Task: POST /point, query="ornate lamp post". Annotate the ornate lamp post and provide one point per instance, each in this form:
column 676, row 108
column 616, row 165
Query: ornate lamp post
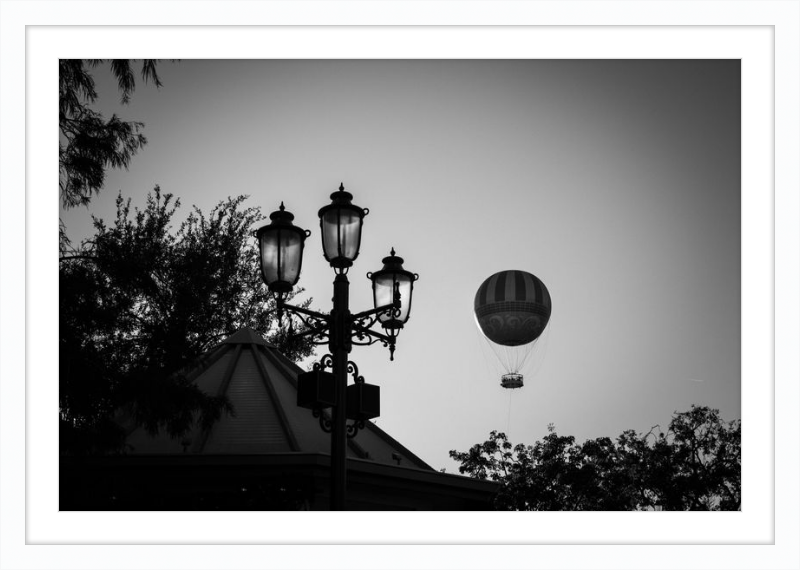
column 281, row 251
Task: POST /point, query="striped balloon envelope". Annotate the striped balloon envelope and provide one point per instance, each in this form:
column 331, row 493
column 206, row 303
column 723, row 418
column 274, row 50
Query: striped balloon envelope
column 512, row 307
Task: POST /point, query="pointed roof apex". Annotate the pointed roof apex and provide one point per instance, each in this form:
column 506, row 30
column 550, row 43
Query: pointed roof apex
column 246, row 335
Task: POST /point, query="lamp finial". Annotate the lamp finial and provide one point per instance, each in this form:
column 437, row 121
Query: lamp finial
column 341, row 187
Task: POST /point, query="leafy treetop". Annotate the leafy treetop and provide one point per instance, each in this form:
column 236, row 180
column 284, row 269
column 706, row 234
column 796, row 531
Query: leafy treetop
column 141, row 301
column 694, row 465
column 89, row 143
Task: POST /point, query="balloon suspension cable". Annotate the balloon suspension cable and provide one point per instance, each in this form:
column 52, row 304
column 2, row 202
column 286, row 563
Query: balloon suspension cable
column 508, row 419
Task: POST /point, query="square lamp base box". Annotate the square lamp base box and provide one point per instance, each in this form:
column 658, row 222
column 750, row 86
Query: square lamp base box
column 316, row 389
column 363, row 401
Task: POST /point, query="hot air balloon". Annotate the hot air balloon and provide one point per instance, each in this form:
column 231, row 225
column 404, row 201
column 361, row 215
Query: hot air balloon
column 512, row 309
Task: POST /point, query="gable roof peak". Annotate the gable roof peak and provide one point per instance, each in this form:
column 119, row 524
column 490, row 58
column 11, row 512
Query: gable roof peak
column 247, row 335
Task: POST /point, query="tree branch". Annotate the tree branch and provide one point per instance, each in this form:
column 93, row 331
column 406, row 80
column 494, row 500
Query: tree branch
column 80, row 256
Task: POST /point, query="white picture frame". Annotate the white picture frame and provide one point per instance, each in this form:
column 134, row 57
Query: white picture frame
column 763, row 34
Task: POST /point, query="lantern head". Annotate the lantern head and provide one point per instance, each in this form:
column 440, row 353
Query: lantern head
column 340, row 222
column 384, row 284
column 281, row 251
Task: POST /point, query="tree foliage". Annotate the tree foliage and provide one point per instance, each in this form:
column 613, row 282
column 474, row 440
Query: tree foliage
column 140, row 301
column 89, row 143
column 694, row 465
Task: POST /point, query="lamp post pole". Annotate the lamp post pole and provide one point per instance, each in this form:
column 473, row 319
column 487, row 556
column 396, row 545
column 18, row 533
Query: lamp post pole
column 340, row 347
column 281, row 253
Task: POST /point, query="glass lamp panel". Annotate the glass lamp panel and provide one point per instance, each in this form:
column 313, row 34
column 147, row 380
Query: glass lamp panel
column 269, row 256
column 405, row 296
column 383, row 288
column 291, row 252
column 281, row 255
column 341, row 233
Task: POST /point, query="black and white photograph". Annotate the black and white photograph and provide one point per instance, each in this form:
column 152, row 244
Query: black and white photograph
column 400, row 285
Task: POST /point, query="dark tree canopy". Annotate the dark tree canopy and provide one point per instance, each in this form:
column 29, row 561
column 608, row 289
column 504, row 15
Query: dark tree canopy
column 142, row 300
column 694, row 465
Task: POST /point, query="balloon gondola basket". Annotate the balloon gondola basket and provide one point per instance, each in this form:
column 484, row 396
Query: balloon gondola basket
column 511, row 381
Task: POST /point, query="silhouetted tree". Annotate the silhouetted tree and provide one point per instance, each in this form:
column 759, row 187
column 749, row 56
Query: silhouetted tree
column 90, row 144
column 695, row 465
column 140, row 301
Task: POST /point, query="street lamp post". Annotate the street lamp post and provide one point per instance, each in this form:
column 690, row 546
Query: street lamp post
column 281, row 252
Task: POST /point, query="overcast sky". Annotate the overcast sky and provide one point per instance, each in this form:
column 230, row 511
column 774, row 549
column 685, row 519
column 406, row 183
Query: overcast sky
column 617, row 183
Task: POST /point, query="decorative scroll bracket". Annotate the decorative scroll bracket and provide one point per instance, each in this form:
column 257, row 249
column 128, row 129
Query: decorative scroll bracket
column 318, row 325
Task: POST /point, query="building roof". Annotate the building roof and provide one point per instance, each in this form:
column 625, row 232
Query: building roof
column 261, row 385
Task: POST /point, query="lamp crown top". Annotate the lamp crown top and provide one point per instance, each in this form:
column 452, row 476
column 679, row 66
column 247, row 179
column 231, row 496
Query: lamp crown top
column 393, row 261
column 281, row 215
column 343, row 200
column 342, row 197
